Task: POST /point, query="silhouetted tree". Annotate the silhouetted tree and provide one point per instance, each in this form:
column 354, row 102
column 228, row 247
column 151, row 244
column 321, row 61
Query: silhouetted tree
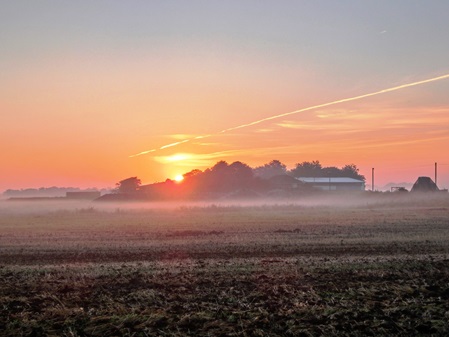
column 219, row 167
column 222, row 177
column 273, row 168
column 331, row 171
column 307, row 169
column 192, row 173
column 352, row 171
column 129, row 185
column 239, row 174
column 314, row 169
column 191, row 183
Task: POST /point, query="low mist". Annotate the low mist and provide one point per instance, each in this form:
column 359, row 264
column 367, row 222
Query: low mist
column 320, row 199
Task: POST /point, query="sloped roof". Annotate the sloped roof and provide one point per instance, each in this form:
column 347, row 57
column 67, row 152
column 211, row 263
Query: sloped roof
column 283, row 178
column 424, row 184
column 327, row 180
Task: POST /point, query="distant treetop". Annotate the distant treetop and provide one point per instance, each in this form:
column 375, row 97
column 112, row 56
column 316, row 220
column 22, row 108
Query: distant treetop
column 314, row 169
column 129, row 185
column 273, row 168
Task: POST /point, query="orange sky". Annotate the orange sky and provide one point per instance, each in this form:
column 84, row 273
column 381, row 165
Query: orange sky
column 81, row 93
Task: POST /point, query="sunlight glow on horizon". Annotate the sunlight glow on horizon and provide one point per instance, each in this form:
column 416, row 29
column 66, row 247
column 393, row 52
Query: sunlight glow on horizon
column 93, row 92
column 179, row 178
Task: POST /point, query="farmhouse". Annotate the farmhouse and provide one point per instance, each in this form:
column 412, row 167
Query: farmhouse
column 334, row 183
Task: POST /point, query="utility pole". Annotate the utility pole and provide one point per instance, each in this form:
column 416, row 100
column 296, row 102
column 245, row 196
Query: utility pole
column 436, row 173
column 372, row 180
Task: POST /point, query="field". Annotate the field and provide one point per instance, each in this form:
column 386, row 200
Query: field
column 360, row 266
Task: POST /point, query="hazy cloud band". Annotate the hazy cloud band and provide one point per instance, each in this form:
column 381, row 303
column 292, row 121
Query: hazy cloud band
column 350, row 99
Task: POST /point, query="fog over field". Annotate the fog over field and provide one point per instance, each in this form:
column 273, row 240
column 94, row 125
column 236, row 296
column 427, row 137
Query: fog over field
column 346, row 264
column 43, row 231
column 318, row 199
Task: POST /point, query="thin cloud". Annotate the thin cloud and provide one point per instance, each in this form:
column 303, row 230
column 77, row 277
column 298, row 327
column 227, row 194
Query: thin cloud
column 293, row 125
column 390, row 143
column 264, row 130
column 182, row 136
column 209, row 144
column 345, row 100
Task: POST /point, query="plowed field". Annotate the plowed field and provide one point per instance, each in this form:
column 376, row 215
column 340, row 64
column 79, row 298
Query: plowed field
column 377, row 268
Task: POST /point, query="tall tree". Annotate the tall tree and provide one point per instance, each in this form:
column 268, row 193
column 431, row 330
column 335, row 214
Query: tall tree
column 352, row 171
column 307, row 169
column 239, row 174
column 273, row 168
column 314, row 169
column 129, row 185
column 331, row 171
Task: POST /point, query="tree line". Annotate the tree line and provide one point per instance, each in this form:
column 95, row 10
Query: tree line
column 226, row 178
column 308, row 169
column 49, row 192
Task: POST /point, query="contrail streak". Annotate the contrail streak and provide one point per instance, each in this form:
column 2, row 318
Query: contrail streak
column 336, row 102
column 162, row 147
column 142, row 153
column 174, row 144
column 350, row 99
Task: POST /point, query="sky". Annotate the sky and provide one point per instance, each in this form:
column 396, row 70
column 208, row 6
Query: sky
column 88, row 89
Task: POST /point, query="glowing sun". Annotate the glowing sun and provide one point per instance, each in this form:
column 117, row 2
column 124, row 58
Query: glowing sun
column 179, row 178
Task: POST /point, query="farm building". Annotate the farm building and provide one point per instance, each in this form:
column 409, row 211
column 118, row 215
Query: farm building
column 284, row 181
column 334, row 183
column 424, row 184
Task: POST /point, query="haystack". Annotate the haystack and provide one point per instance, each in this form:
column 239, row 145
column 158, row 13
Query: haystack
column 424, row 184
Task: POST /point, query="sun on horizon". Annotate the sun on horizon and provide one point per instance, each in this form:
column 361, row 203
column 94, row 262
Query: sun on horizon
column 179, row 178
